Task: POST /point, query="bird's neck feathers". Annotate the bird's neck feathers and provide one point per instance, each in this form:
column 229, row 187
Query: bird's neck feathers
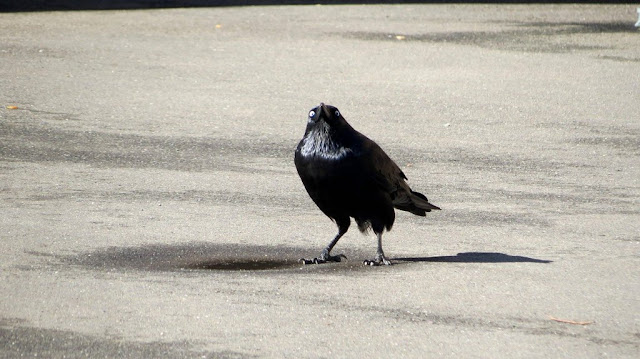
column 321, row 140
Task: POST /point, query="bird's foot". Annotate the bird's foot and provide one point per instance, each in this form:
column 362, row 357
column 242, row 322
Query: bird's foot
column 325, row 257
column 379, row 260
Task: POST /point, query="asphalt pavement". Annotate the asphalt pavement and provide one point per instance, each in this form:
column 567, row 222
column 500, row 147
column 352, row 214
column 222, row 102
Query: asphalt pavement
column 149, row 205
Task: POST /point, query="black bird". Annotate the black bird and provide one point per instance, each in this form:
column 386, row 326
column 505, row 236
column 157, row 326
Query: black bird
column 348, row 175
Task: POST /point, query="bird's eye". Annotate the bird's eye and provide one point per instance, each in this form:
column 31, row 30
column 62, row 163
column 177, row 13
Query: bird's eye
column 337, row 113
column 312, row 113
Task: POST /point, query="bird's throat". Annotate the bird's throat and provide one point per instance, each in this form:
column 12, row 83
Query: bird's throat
column 318, row 142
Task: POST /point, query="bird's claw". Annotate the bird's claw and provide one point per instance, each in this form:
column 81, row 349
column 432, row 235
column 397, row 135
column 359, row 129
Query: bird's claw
column 373, row 263
column 323, row 259
column 378, row 261
column 311, row 261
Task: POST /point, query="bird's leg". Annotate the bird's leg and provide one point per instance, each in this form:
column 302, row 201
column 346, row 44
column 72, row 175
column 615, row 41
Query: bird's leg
column 326, row 256
column 380, row 258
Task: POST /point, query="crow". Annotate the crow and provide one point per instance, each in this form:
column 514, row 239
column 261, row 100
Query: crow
column 348, row 175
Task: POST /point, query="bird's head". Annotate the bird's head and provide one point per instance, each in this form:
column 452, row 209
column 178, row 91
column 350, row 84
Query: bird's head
column 326, row 113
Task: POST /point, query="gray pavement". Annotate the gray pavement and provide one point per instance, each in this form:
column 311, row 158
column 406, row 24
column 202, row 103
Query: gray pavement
column 150, row 206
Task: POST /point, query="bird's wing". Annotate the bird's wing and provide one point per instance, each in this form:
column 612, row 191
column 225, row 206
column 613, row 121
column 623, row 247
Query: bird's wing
column 382, row 170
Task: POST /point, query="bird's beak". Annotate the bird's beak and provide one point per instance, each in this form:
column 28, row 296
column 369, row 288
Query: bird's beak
column 324, row 110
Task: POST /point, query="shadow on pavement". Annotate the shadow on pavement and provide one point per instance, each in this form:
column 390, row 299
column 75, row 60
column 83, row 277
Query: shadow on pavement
column 476, row 257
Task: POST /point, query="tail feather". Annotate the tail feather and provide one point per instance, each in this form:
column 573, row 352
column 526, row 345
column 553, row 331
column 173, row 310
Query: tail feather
column 414, row 202
column 422, row 202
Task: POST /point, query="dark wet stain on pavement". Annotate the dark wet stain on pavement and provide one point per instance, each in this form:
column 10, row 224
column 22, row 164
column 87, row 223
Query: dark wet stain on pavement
column 189, row 257
column 21, row 340
column 527, row 37
column 38, row 142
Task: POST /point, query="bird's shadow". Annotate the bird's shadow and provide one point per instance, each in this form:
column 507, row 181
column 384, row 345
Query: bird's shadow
column 475, row 257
